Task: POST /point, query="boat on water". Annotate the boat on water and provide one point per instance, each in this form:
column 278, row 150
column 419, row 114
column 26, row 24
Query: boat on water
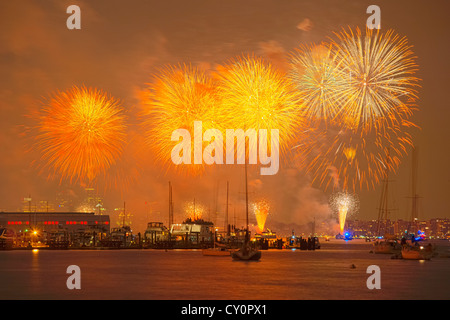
column 387, row 246
column 246, row 252
column 6, row 238
column 417, row 252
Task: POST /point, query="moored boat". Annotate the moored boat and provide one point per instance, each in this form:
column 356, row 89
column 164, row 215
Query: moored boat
column 246, row 253
column 417, row 252
column 386, row 247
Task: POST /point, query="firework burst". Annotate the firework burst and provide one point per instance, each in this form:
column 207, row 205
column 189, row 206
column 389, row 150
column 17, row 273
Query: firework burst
column 80, row 134
column 179, row 96
column 194, row 211
column 339, row 158
column 380, row 69
column 359, row 96
column 257, row 96
column 318, row 77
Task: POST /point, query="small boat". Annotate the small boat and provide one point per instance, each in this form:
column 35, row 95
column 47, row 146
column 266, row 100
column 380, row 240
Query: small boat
column 6, row 239
column 417, row 253
column 246, row 253
column 386, row 247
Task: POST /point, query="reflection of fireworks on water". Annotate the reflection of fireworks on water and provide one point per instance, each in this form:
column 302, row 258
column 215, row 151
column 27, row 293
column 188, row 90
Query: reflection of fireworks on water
column 344, row 204
column 261, row 210
column 81, row 133
column 194, row 211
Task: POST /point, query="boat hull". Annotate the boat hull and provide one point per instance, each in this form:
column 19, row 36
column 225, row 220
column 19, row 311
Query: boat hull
column 249, row 255
column 386, row 248
column 416, row 254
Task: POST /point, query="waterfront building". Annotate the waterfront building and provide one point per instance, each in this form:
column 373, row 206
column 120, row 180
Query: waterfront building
column 40, row 227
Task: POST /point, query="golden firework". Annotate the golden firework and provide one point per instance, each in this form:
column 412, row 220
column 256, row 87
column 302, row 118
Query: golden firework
column 261, row 210
column 80, row 133
column 179, row 96
column 257, row 96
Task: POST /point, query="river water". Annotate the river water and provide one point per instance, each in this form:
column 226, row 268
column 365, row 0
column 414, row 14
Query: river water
column 336, row 271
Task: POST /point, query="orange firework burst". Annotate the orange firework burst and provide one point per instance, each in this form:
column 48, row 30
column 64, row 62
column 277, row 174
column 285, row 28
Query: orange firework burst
column 81, row 133
column 194, row 211
column 257, row 96
column 177, row 98
column 261, row 210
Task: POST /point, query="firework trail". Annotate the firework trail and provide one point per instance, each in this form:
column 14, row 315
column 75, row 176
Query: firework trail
column 261, row 210
column 80, row 134
column 344, row 204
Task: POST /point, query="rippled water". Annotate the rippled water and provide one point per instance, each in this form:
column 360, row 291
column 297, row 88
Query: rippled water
column 187, row 274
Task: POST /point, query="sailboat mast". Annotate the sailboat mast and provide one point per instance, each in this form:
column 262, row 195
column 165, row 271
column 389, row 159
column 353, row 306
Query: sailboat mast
column 123, row 218
column 246, row 202
column 170, row 208
column 383, row 207
column 226, row 213
column 414, row 195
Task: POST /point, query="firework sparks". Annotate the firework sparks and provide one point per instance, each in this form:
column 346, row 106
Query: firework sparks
column 178, row 97
column 337, row 157
column 194, row 211
column 359, row 94
column 257, row 96
column 318, row 77
column 380, row 70
column 261, row 210
column 344, row 204
column 81, row 133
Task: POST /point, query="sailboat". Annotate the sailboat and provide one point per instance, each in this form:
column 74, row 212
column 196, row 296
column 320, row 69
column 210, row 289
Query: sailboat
column 389, row 245
column 416, row 251
column 219, row 249
column 246, row 252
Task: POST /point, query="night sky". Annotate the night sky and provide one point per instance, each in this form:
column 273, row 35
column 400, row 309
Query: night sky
column 120, row 45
